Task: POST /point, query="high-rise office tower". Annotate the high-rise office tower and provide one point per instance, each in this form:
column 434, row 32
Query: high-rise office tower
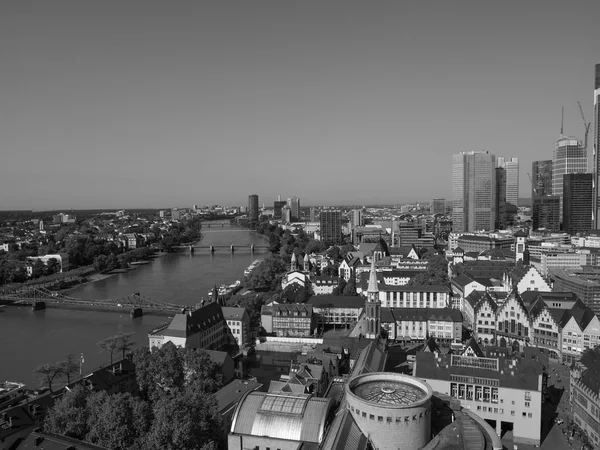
column 277, row 209
column 313, row 214
column 596, row 149
column 253, row 208
column 501, row 219
column 438, row 206
column 294, row 205
column 357, row 221
column 511, row 165
column 577, row 207
column 474, row 191
column 541, row 178
column 286, row 214
column 569, row 157
column 331, row 226
column 546, row 212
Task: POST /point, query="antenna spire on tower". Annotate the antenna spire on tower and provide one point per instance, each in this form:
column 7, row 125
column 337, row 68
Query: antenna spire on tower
column 562, row 119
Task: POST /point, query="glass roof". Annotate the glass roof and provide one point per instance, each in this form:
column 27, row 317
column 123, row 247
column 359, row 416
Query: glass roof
column 389, row 392
column 283, row 404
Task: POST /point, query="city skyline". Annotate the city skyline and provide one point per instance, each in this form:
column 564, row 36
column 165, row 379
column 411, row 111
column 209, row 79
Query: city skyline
column 143, row 105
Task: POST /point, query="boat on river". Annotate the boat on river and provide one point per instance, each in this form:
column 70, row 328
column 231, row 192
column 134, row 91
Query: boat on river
column 252, row 266
column 226, row 291
column 11, row 391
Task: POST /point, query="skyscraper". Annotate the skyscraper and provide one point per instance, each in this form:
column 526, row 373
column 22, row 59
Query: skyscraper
column 569, row 157
column 474, row 191
column 438, row 206
column 357, row 221
column 546, row 212
column 501, row 218
column 511, row 165
column 294, row 205
column 277, row 208
column 331, row 226
column 596, row 149
column 541, row 178
column 253, row 208
column 577, row 207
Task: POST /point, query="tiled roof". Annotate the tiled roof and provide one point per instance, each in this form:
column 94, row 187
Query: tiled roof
column 184, row 325
column 234, row 391
column 371, row 359
column 473, row 345
column 344, row 434
column 233, row 313
column 484, row 298
column 293, row 307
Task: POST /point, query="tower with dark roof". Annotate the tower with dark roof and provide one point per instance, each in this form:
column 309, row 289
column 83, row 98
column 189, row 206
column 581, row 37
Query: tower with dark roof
column 372, row 305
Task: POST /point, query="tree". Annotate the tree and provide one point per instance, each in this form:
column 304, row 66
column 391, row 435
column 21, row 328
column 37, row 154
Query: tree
column 182, row 421
column 110, row 345
column 339, row 289
column 52, row 266
column 346, row 249
column 436, row 273
column 47, row 373
column 350, row 288
column 69, row 366
column 124, row 342
column 202, row 373
column 268, row 273
column 118, row 421
column 69, row 415
column 334, row 253
column 160, row 371
column 330, row 270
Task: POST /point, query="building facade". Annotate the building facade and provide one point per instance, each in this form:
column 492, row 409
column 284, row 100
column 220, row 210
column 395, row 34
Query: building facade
column 331, row 226
column 253, row 208
column 577, row 203
column 596, row 149
column 490, row 388
column 546, row 213
column 474, row 191
column 541, row 178
column 294, row 205
column 569, row 157
column 293, row 319
column 511, row 165
column 585, row 395
column 438, row 206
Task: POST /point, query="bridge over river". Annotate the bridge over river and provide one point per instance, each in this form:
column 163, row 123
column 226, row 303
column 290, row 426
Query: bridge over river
column 40, row 298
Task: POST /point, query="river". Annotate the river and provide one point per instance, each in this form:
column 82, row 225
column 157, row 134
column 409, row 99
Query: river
column 29, row 338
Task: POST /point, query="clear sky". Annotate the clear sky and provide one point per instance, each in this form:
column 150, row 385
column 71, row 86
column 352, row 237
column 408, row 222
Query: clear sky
column 135, row 104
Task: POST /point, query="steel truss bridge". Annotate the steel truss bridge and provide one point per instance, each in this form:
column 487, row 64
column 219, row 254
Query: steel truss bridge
column 134, row 301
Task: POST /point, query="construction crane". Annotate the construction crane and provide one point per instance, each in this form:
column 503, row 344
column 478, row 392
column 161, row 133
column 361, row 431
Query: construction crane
column 532, row 186
column 586, row 125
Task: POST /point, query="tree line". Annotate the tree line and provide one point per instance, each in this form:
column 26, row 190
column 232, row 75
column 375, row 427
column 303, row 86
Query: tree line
column 172, row 408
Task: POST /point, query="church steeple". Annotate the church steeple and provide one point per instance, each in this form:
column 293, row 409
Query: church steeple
column 372, row 305
column 294, row 263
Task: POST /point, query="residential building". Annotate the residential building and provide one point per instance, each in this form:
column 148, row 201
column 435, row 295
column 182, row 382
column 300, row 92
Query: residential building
column 324, row 284
column 61, row 258
column 238, row 322
column 474, row 186
column 293, row 319
column 490, row 388
column 253, row 208
column 438, row 206
column 525, row 278
column 331, row 226
column 512, row 323
column 596, row 150
column 484, row 321
column 585, row 394
column 511, row 165
column 577, row 203
column 480, row 242
column 569, row 157
column 541, row 178
column 202, row 328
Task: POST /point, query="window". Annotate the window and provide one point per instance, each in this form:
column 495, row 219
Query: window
column 527, row 396
column 524, row 414
column 527, row 404
column 501, row 411
column 512, row 413
column 371, row 416
column 529, row 415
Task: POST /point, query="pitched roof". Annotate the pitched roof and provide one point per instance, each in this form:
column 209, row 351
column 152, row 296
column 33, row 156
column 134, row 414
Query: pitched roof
column 184, row 325
column 591, row 375
column 373, row 279
column 233, row 392
column 484, row 298
column 233, row 313
column 287, row 308
column 336, row 301
column 344, row 434
column 474, row 346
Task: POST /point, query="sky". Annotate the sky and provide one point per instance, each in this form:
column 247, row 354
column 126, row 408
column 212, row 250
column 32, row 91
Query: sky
column 141, row 104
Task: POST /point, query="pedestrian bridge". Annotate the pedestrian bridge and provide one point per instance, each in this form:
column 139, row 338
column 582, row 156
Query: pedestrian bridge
column 37, row 298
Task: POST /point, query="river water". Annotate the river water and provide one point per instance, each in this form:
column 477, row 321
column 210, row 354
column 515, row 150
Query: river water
column 29, row 338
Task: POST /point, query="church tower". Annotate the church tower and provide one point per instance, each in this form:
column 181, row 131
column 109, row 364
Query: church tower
column 293, row 263
column 372, row 306
column 521, row 246
column 306, row 263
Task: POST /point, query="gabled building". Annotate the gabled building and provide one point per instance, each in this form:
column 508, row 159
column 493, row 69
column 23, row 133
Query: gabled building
column 238, row 323
column 512, row 323
column 293, row 319
column 484, row 328
column 525, row 278
column 347, row 268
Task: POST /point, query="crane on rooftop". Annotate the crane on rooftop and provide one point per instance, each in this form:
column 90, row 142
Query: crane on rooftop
column 586, row 125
